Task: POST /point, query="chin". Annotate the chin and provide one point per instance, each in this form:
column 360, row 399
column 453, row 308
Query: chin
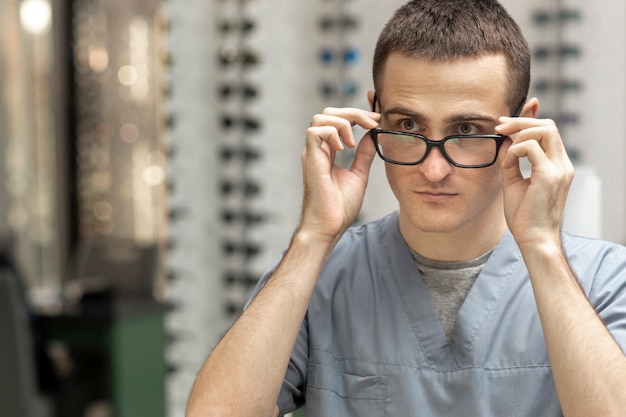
column 439, row 229
column 433, row 224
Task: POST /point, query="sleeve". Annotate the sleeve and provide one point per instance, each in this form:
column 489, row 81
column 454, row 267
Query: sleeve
column 292, row 394
column 607, row 292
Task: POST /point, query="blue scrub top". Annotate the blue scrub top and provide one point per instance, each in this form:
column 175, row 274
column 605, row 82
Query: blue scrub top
column 372, row 344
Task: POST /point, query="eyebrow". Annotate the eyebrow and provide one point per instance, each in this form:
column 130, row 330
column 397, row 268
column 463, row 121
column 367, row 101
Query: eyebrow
column 403, row 111
column 421, row 118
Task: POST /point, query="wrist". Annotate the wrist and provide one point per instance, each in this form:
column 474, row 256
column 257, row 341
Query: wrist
column 542, row 249
column 320, row 232
column 302, row 264
column 547, row 264
column 539, row 253
column 312, row 239
column 540, row 245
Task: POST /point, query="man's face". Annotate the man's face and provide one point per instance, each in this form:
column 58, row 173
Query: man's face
column 438, row 99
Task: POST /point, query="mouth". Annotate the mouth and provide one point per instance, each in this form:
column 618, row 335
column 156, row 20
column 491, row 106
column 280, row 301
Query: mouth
column 432, row 195
column 435, row 192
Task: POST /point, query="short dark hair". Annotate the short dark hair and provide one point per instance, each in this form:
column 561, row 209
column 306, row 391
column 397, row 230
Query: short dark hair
column 445, row 30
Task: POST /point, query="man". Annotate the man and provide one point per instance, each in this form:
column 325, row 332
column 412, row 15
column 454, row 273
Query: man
column 469, row 301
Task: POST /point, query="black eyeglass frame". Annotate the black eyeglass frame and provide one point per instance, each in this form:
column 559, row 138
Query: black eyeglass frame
column 439, row 144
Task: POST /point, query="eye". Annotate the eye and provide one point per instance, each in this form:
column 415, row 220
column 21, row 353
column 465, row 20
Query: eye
column 408, row 125
column 468, row 129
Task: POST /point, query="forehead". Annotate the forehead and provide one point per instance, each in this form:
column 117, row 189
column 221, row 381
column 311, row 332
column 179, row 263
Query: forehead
column 479, row 82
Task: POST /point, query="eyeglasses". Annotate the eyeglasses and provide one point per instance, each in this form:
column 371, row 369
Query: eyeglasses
column 463, row 151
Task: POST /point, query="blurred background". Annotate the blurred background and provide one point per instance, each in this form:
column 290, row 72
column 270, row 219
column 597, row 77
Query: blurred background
column 150, row 171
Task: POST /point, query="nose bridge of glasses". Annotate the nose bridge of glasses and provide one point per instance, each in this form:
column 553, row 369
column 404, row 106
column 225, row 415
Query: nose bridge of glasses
column 435, row 163
column 438, row 147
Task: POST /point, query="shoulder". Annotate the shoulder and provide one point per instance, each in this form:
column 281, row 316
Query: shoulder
column 368, row 236
column 363, row 253
column 587, row 250
column 599, row 265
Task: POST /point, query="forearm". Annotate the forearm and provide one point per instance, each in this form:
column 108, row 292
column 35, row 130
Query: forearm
column 244, row 373
column 588, row 366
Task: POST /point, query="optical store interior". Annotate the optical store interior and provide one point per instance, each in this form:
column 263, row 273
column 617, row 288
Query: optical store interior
column 150, row 171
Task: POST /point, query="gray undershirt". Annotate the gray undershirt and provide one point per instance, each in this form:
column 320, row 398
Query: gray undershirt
column 448, row 284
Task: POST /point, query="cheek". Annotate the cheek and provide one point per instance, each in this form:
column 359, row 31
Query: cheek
column 395, row 178
column 490, row 181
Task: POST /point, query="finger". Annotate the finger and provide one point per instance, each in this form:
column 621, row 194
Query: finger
column 339, row 124
column 343, row 120
column 319, row 152
column 363, row 157
column 354, row 115
column 511, row 125
column 527, row 149
column 511, row 171
column 547, row 136
column 317, row 136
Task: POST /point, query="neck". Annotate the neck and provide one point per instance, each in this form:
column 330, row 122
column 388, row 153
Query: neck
column 465, row 243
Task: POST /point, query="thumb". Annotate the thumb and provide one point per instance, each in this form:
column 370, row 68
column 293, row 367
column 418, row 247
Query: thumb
column 510, row 167
column 363, row 157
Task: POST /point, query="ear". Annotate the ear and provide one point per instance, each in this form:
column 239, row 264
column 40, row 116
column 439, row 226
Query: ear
column 530, row 108
column 370, row 97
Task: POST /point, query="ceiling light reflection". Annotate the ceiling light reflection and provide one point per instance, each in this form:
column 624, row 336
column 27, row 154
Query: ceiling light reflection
column 98, row 58
column 129, row 132
column 36, row 16
column 154, row 175
column 127, row 75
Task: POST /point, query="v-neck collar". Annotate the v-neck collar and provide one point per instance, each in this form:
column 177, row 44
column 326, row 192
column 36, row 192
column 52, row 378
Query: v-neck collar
column 474, row 312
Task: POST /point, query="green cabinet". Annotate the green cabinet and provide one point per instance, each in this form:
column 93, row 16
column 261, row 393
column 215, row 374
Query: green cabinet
column 138, row 367
column 119, row 358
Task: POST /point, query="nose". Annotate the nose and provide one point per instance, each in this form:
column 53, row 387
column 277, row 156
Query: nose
column 435, row 167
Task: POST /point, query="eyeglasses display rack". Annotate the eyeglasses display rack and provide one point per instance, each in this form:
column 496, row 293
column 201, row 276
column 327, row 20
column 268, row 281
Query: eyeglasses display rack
column 238, row 137
column 555, row 59
column 195, row 318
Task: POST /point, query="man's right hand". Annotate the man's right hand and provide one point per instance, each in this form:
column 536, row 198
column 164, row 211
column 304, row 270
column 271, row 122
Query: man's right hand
column 333, row 195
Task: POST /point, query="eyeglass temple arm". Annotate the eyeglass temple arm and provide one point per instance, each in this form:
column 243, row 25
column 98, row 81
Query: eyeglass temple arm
column 519, row 109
